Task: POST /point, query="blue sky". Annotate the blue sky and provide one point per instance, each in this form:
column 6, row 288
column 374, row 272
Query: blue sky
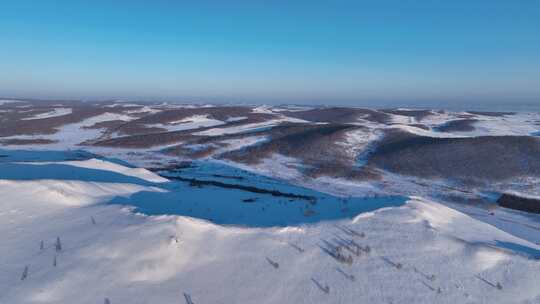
column 343, row 52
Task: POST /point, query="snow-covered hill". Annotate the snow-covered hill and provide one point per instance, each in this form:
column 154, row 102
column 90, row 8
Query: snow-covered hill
column 62, row 242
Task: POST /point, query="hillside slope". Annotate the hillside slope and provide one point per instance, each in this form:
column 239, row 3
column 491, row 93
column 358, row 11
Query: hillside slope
column 422, row 252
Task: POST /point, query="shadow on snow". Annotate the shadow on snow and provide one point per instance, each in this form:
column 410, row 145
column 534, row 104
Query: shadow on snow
column 211, row 191
column 230, row 196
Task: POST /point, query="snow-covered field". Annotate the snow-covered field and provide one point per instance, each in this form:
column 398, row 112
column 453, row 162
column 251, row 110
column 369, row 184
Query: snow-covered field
column 88, row 224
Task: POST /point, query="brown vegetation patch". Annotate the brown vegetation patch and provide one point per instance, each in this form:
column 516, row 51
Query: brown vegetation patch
column 145, row 140
column 136, row 129
column 420, row 126
column 188, row 151
column 110, row 124
column 315, row 145
column 494, row 114
column 164, row 138
column 13, row 123
column 20, row 141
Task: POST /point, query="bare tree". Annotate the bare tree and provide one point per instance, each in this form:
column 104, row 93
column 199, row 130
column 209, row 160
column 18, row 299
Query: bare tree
column 274, row 264
column 394, row 264
column 437, row 290
column 25, row 273
column 498, row 285
column 430, row 277
column 298, row 248
column 58, row 244
column 188, row 298
column 325, row 288
column 350, row 277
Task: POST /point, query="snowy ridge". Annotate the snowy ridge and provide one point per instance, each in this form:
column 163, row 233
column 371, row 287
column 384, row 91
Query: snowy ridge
column 112, row 167
column 193, row 122
column 54, row 113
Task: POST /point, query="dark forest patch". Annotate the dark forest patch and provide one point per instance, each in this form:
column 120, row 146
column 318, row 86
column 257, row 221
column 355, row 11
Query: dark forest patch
column 512, row 201
column 485, row 158
column 458, row 125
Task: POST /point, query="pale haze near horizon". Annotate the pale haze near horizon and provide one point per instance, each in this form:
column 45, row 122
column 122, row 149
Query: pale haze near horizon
column 472, row 54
